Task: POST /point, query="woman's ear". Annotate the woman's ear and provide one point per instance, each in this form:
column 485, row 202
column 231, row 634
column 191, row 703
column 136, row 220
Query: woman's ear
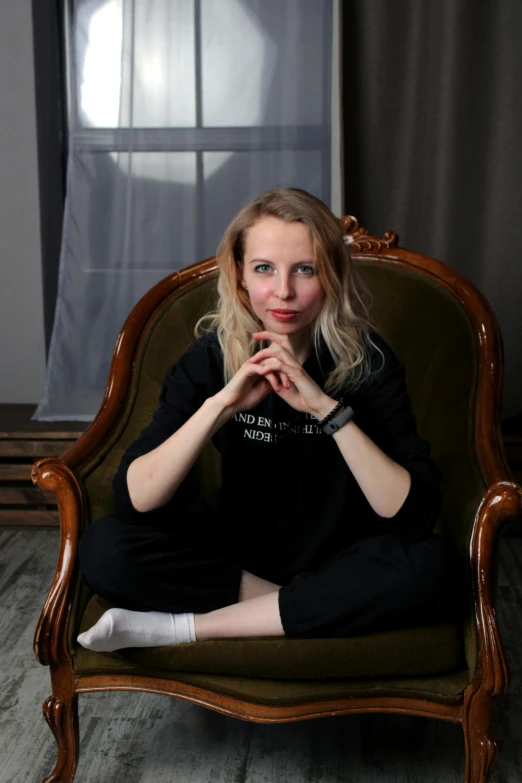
column 240, row 277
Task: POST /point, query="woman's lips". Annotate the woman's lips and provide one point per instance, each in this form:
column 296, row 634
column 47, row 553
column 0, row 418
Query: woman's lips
column 284, row 315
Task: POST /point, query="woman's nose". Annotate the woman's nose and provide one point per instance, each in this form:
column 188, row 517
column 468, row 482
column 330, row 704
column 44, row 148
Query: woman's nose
column 284, row 287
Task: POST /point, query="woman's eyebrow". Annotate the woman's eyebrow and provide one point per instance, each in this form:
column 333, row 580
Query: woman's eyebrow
column 267, row 261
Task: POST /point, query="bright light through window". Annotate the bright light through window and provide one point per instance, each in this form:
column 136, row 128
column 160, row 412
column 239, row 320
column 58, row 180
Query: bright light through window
column 100, row 86
column 237, row 65
column 151, row 81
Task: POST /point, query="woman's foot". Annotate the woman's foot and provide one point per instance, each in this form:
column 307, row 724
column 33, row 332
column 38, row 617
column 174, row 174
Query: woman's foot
column 120, row 628
column 256, row 614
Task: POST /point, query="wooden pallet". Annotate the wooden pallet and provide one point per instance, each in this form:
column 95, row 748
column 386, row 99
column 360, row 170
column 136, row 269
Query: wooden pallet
column 22, row 442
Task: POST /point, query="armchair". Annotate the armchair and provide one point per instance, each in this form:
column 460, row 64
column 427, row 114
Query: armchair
column 446, row 335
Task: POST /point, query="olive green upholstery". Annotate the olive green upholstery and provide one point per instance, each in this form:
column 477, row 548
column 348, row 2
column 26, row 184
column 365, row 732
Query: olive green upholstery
column 405, row 651
column 432, row 335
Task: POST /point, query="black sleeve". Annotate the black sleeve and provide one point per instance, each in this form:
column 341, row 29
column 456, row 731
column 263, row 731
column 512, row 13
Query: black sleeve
column 187, row 384
column 385, row 415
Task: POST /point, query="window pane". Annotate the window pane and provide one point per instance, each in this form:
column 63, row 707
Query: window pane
column 135, row 70
column 231, row 179
column 263, row 61
column 164, row 76
column 137, row 204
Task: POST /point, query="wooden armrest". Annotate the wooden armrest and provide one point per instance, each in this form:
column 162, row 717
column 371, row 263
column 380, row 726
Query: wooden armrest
column 50, row 640
column 502, row 503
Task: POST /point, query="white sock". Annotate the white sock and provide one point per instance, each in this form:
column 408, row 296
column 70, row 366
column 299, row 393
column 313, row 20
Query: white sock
column 120, row 628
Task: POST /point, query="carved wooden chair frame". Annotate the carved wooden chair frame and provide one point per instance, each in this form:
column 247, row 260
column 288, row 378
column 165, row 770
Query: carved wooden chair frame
column 501, row 503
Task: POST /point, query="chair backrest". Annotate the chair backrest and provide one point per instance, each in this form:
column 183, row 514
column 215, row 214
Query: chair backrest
column 426, row 324
column 433, row 336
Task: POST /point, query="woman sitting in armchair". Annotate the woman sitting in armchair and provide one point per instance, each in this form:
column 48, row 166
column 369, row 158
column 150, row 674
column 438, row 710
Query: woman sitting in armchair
column 325, row 517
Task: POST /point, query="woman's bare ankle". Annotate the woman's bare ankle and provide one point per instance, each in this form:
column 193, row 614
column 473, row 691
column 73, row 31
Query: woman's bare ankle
column 254, row 617
column 253, row 586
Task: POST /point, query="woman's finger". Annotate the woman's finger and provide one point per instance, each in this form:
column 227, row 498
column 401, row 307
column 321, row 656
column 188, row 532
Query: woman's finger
column 268, row 373
column 273, row 380
column 277, row 339
column 275, row 365
column 285, row 380
column 271, row 365
column 283, row 374
column 274, row 351
column 280, row 378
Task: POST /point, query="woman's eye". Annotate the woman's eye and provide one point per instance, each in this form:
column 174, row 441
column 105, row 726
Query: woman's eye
column 264, row 268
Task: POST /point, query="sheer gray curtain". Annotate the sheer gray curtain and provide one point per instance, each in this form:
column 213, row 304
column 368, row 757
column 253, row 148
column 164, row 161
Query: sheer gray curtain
column 180, row 111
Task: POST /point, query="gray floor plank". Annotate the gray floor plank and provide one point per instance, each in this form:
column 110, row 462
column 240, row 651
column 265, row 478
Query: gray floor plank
column 143, row 738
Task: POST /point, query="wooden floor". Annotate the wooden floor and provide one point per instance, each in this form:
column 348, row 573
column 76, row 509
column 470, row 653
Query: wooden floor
column 155, row 739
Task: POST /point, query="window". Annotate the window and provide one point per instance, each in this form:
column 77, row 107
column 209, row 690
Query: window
column 179, row 111
column 211, row 101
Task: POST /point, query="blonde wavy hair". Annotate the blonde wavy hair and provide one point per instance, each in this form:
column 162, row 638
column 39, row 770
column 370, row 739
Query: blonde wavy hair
column 343, row 323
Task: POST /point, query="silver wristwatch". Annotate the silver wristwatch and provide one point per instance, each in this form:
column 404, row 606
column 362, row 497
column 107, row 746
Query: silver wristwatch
column 337, row 422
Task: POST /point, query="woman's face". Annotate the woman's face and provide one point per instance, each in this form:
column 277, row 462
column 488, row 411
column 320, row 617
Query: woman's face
column 280, row 274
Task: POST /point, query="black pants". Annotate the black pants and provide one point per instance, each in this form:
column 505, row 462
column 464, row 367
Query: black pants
column 374, row 584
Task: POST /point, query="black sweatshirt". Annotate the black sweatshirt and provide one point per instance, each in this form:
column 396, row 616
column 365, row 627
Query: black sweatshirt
column 285, row 484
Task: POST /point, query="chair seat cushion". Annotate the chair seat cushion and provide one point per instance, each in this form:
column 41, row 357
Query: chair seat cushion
column 423, row 650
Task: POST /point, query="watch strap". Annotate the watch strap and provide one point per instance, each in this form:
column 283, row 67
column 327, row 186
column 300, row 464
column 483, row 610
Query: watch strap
column 337, row 422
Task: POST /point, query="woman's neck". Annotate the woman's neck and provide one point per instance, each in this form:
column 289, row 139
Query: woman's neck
column 302, row 346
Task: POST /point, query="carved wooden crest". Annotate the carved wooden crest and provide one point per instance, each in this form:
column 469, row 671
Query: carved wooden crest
column 361, row 241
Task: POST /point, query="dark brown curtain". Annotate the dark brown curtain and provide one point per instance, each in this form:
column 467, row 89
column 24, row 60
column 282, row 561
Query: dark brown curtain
column 432, row 113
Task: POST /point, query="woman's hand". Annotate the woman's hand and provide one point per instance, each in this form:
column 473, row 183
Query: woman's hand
column 296, row 387
column 249, row 386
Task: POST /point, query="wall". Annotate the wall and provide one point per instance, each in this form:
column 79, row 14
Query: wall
column 22, row 347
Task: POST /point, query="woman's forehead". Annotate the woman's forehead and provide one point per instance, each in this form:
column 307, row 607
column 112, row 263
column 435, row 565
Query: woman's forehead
column 272, row 236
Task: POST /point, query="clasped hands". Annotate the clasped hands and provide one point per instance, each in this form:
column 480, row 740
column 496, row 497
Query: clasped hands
column 287, row 377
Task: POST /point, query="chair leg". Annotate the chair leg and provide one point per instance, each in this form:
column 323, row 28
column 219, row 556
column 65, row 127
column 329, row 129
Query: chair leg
column 481, row 748
column 61, row 713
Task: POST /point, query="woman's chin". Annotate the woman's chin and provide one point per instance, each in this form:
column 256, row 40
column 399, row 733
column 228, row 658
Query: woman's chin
column 282, row 327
